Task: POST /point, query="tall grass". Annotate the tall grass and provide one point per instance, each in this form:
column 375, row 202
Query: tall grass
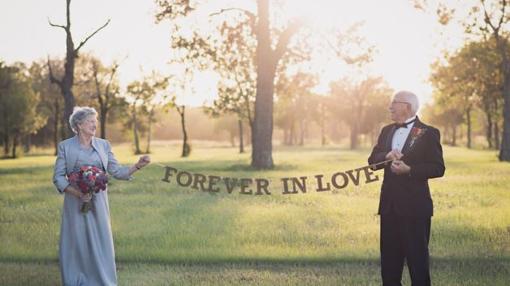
column 165, row 234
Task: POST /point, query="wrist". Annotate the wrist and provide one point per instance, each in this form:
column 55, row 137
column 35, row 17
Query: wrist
column 136, row 166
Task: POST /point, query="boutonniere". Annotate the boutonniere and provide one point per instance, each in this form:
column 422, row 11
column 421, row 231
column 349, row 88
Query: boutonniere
column 416, row 133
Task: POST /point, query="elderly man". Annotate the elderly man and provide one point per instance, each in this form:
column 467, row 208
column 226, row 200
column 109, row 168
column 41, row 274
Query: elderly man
column 410, row 153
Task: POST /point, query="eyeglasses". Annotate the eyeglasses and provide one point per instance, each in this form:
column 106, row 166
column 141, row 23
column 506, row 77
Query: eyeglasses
column 394, row 102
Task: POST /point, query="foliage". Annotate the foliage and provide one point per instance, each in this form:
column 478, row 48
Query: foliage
column 18, row 107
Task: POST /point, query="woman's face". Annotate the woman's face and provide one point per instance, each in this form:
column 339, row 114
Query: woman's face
column 88, row 126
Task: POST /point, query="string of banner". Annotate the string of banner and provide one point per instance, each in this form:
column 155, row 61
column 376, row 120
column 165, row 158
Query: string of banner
column 262, row 186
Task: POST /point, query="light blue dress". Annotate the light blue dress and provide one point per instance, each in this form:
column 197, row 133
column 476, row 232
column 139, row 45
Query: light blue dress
column 86, row 252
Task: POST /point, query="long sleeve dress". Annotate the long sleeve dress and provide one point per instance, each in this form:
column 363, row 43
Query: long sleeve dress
column 86, row 251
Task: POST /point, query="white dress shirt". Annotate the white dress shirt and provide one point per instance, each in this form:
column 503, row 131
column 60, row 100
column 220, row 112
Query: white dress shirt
column 400, row 136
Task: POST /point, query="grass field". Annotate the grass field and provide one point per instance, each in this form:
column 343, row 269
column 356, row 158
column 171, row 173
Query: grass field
column 169, row 235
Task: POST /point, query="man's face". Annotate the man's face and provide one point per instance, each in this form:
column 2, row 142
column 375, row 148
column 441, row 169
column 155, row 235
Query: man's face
column 399, row 109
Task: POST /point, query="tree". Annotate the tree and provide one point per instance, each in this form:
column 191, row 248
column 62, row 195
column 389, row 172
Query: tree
column 233, row 57
column 470, row 76
column 183, row 87
column 107, row 90
column 356, row 103
column 445, row 114
column 488, row 19
column 267, row 59
column 228, row 123
column 294, row 105
column 457, row 80
column 320, row 115
column 50, row 105
column 18, row 104
column 143, row 96
column 67, row 81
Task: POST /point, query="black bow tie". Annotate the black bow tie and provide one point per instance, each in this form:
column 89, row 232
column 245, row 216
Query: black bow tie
column 404, row 125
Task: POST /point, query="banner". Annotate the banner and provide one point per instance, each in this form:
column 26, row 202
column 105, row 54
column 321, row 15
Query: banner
column 261, row 186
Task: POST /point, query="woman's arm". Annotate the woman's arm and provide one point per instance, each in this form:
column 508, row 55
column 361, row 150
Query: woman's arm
column 120, row 172
column 59, row 172
column 142, row 162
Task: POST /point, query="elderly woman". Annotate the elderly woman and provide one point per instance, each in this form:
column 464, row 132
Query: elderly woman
column 86, row 251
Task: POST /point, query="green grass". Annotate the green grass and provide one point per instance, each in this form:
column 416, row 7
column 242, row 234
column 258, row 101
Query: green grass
column 169, row 235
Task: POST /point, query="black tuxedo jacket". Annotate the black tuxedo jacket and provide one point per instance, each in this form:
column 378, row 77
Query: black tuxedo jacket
column 409, row 194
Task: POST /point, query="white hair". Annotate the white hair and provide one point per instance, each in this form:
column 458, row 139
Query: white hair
column 408, row 97
column 80, row 113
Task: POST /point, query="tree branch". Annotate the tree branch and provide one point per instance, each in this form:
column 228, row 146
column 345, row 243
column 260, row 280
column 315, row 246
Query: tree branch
column 53, row 79
column 285, row 37
column 110, row 80
column 90, row 36
column 251, row 16
column 246, row 12
column 488, row 19
column 55, row 25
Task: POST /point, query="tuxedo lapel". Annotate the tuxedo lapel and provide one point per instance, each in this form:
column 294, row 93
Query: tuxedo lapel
column 406, row 147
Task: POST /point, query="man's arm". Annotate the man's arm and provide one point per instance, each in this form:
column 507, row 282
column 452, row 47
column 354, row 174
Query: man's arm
column 378, row 153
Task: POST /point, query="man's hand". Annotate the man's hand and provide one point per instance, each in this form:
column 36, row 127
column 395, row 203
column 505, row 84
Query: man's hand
column 400, row 168
column 394, row 155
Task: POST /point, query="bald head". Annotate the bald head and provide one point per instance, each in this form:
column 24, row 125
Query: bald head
column 408, row 97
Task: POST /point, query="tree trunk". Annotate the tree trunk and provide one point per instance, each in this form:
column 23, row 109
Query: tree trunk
column 302, row 132
column 27, row 143
column 323, row 128
column 496, row 126
column 262, row 145
column 292, row 140
column 468, row 119
column 6, row 143
column 496, row 135
column 186, row 150
column 263, row 122
column 135, row 132
column 69, row 101
column 354, row 136
column 266, row 61
column 148, row 149
column 55, row 126
column 103, row 113
column 66, row 83
column 232, row 138
column 15, row 144
column 504, row 153
column 489, row 130
column 241, row 136
column 454, row 135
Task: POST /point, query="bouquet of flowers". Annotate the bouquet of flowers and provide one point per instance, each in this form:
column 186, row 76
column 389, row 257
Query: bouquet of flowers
column 89, row 180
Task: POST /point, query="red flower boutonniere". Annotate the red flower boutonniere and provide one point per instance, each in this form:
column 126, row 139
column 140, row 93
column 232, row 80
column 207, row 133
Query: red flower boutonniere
column 416, row 133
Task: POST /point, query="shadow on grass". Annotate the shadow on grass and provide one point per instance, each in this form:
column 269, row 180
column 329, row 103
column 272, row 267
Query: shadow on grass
column 499, row 264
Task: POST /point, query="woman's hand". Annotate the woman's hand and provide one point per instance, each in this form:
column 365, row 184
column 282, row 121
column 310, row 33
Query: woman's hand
column 85, row 197
column 143, row 161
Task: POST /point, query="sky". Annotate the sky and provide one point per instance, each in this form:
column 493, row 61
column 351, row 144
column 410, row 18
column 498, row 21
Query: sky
column 407, row 40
